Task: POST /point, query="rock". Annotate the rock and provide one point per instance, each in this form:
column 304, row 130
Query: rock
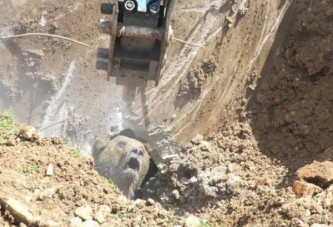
column 205, row 146
column 150, row 202
column 209, row 191
column 48, row 193
column 90, row 223
column 197, row 139
column 49, row 170
column 217, row 175
column 193, row 179
column 327, row 203
column 75, row 222
column 320, row 225
column 84, row 212
column 28, row 133
column 108, row 224
column 140, row 203
column 320, row 173
column 233, row 182
column 18, row 211
column 36, row 53
column 101, row 213
column 10, row 143
column 175, row 194
column 192, row 221
column 302, row 188
column 307, row 213
column 297, row 222
column 52, row 223
column 230, row 168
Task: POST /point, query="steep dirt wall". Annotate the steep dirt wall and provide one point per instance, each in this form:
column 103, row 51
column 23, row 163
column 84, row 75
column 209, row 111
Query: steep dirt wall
column 199, row 83
column 53, row 84
column 293, row 101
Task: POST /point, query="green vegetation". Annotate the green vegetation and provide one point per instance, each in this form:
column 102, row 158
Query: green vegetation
column 121, row 214
column 77, row 153
column 7, row 126
column 204, row 223
column 110, row 181
column 29, row 170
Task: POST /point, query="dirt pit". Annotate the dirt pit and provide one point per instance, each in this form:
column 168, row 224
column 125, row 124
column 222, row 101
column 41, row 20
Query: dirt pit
column 230, row 123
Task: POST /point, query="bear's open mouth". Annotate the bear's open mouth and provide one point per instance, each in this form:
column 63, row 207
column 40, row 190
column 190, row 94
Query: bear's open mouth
column 133, row 164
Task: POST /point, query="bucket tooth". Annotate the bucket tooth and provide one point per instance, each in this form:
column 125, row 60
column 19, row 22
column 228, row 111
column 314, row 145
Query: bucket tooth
column 103, row 53
column 139, row 35
column 105, row 26
column 107, row 8
column 102, row 63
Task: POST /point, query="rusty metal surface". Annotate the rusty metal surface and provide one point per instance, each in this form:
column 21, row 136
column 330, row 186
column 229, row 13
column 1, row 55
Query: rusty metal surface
column 138, row 44
column 139, row 32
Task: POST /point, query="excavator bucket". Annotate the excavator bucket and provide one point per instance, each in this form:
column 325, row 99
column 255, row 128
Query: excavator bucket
column 139, row 34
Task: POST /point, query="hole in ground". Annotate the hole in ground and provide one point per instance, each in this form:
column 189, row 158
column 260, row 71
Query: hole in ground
column 152, row 169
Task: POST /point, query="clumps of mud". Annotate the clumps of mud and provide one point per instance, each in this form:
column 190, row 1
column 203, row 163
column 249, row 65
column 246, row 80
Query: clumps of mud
column 293, row 104
column 192, row 85
column 72, row 194
column 202, row 173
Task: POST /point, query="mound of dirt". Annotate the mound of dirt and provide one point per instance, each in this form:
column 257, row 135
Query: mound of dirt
column 293, row 102
column 53, row 197
column 262, row 100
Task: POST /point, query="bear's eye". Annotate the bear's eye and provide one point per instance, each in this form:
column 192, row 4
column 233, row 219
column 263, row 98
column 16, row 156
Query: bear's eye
column 142, row 151
column 122, row 144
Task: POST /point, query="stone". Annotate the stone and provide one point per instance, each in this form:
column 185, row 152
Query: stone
column 52, row 223
column 192, row 221
column 297, row 222
column 90, row 223
column 302, row 188
column 75, row 222
column 28, row 133
column 101, row 213
column 10, row 143
column 197, row 139
column 320, row 173
column 209, row 191
column 84, row 212
column 217, row 175
column 320, row 225
column 18, row 210
column 307, row 213
column 48, row 193
column 175, row 194
column 139, row 201
column 49, row 170
column 205, row 146
column 233, row 182
column 108, row 224
column 150, row 202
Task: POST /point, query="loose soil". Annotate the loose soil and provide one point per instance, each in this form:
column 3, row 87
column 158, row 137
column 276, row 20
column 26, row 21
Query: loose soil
column 259, row 93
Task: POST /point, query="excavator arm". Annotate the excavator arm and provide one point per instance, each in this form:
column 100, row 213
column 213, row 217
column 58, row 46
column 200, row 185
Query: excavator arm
column 139, row 35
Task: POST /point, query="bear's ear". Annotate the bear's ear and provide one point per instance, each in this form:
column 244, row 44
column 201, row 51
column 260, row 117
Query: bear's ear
column 128, row 133
column 148, row 148
column 99, row 147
